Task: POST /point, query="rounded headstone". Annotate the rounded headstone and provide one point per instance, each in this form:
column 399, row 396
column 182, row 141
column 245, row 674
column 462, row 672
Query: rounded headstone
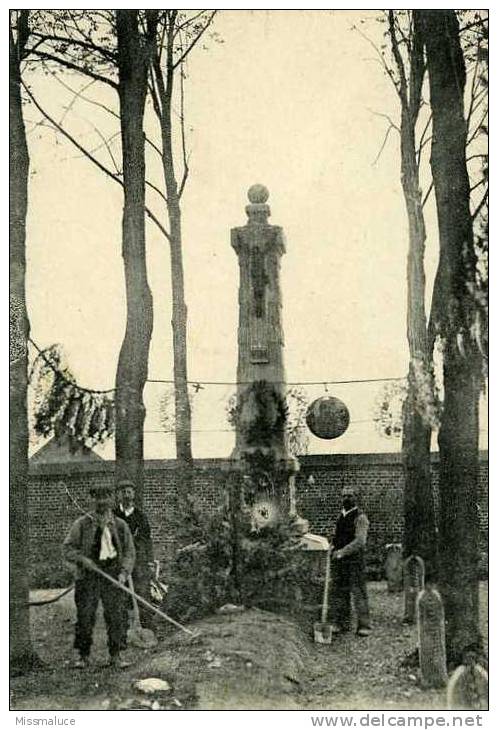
column 327, row 417
column 258, row 194
column 393, row 567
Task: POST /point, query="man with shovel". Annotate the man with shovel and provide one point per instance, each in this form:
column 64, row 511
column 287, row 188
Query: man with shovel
column 99, row 541
column 348, row 563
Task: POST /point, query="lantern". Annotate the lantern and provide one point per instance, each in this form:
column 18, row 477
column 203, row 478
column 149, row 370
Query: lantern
column 327, row 417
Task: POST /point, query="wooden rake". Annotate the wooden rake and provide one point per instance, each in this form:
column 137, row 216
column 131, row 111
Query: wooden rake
column 141, row 600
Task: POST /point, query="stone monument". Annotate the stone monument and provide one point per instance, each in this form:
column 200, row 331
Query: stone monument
column 260, row 445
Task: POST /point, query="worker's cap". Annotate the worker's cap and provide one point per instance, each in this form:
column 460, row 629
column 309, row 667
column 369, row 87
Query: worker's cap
column 125, row 484
column 349, row 491
column 101, row 490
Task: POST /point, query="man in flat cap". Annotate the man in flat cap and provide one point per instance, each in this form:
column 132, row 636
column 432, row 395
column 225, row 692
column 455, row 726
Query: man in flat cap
column 100, row 539
column 139, row 526
column 348, row 563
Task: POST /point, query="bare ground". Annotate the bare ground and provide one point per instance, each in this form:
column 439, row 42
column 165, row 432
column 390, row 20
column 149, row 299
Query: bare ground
column 251, row 660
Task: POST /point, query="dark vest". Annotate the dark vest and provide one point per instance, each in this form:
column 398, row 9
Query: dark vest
column 140, row 531
column 345, row 528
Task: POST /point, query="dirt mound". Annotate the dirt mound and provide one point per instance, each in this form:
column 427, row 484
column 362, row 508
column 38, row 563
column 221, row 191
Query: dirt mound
column 248, row 660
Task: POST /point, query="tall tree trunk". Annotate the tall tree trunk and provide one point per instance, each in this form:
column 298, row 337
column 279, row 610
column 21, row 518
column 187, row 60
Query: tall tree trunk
column 132, row 368
column 458, row 435
column 21, row 653
column 183, row 428
column 420, row 535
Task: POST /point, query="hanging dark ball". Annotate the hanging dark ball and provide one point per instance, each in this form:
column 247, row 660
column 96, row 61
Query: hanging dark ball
column 327, row 417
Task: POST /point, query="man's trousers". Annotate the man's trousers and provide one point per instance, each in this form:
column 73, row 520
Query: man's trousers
column 348, row 581
column 88, row 591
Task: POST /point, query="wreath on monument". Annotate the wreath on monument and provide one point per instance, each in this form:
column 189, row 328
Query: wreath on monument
column 260, row 413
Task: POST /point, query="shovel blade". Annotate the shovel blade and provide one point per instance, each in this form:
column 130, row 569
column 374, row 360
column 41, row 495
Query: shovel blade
column 322, row 633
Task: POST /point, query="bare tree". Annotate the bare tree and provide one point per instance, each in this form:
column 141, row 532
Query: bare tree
column 454, row 320
column 22, row 656
column 83, row 44
column 406, row 73
column 115, row 48
column 421, row 407
column 180, row 33
column 420, row 535
column 134, row 52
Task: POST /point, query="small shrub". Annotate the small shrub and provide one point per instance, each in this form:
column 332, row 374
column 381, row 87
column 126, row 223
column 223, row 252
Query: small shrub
column 227, row 561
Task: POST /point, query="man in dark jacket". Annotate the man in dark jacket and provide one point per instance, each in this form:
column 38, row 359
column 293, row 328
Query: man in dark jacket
column 140, row 530
column 348, row 562
column 100, row 539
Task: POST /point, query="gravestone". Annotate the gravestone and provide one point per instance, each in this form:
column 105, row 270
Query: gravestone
column 413, row 583
column 468, row 688
column 393, row 567
column 431, row 638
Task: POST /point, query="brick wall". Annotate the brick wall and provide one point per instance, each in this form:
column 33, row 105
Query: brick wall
column 378, row 479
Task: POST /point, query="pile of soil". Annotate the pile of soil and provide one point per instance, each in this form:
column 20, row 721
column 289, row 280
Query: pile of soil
column 248, row 660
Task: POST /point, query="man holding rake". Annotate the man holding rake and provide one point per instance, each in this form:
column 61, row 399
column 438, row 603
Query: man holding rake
column 102, row 540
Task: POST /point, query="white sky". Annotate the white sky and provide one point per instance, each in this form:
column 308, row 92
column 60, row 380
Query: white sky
column 286, row 100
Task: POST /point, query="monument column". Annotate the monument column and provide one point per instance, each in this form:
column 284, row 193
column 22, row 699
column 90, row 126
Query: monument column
column 261, row 408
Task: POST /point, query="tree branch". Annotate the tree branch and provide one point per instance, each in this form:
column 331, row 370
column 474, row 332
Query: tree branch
column 384, row 116
column 187, row 22
column 80, row 95
column 473, row 89
column 106, row 144
column 429, row 191
column 481, row 22
column 98, row 104
column 76, row 96
column 479, row 207
column 74, row 67
column 86, row 44
column 482, row 181
column 422, row 143
column 391, row 126
column 194, row 42
column 403, row 86
column 157, row 190
column 182, row 130
column 477, row 128
column 474, row 157
column 91, row 157
column 417, row 69
column 100, row 146
column 381, row 59
column 479, row 99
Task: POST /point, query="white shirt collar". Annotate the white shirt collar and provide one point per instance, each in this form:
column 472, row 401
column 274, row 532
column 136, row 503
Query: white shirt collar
column 346, row 512
column 128, row 511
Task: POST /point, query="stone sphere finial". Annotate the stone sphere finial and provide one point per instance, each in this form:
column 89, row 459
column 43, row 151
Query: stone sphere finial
column 258, row 194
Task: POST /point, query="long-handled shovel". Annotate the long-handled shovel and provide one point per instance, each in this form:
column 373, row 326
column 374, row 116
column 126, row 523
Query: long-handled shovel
column 141, row 600
column 322, row 631
column 138, row 635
